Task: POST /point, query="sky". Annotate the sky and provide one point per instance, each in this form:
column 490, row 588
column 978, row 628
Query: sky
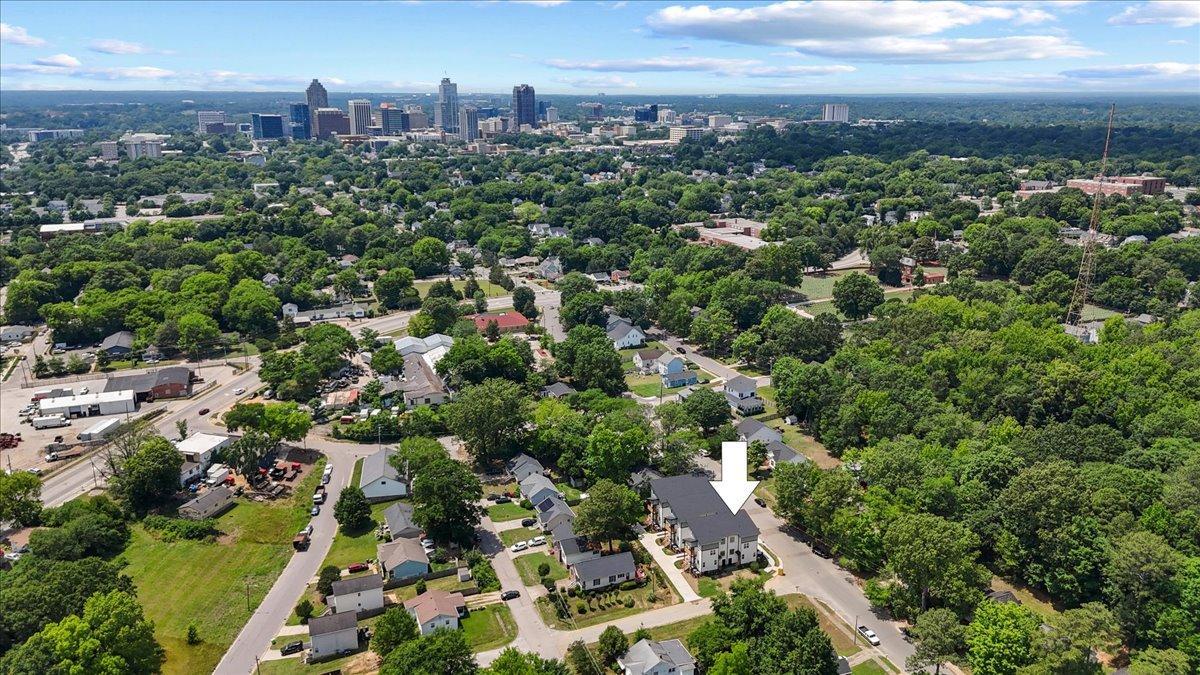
column 561, row 46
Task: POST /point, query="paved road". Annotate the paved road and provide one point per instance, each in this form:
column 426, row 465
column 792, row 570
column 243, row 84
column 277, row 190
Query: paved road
column 272, row 613
column 710, row 364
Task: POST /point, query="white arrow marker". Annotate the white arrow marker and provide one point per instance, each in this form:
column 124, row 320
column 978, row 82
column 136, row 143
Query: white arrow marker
column 734, row 487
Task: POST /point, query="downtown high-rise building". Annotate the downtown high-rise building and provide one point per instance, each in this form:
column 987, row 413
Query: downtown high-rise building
column 330, row 121
column 445, row 115
column 468, row 123
column 266, row 126
column 210, row 121
column 524, row 106
column 299, row 121
column 835, row 112
column 417, row 117
column 317, row 98
column 394, row 121
column 360, row 116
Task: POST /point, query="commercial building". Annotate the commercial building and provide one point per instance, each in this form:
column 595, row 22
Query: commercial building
column 394, row 121
column 38, row 135
column 166, row 382
column 524, row 106
column 468, row 123
column 360, row 116
column 551, row 115
column 109, row 150
column 646, row 114
column 741, row 232
column 592, row 110
column 266, row 126
column 507, row 322
column 86, row 405
column 445, row 115
column 204, row 118
column 142, row 145
column 835, row 112
column 677, row 134
column 417, row 117
column 200, row 448
column 1125, row 186
column 300, row 121
column 330, row 121
column 699, row 524
column 719, row 121
column 317, row 98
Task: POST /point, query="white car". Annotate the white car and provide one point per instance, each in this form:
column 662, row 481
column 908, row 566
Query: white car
column 239, row 391
column 519, row 546
column 84, row 390
column 537, row 541
column 869, row 635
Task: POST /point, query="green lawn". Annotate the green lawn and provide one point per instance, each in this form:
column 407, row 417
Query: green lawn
column 489, row 289
column 569, row 493
column 651, row 385
column 489, row 627
column 501, row 488
column 359, row 545
column 817, row 286
column 206, row 583
column 356, row 475
column 606, row 607
column 527, row 566
column 869, row 668
column 510, row 511
column 678, row 630
column 510, row 537
column 364, row 661
column 1096, row 313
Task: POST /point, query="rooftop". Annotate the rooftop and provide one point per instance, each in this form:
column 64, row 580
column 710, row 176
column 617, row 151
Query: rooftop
column 357, row 584
column 696, row 504
column 332, row 623
column 606, row 566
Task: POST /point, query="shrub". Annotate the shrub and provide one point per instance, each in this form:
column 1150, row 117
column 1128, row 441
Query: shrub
column 304, row 610
column 548, row 583
column 628, row 601
column 525, row 504
column 572, row 591
column 628, row 585
column 652, row 597
column 193, row 635
column 174, row 529
column 581, row 607
column 543, row 569
column 756, row 567
column 420, row 586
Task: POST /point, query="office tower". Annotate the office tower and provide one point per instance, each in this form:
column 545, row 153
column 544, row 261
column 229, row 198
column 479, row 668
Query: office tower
column 266, row 126
column 394, row 121
column 551, row 114
column 330, row 121
column 542, row 107
column 718, row 121
column 207, row 117
column 445, row 115
column 593, row 111
column 417, row 117
column 468, row 123
column 317, row 98
column 681, row 133
column 835, row 112
column 300, row 120
column 109, row 149
column 667, row 116
column 142, row 145
column 524, row 106
column 360, row 116
column 646, row 114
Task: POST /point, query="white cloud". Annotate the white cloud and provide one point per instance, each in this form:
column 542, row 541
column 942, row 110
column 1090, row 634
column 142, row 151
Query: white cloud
column 1177, row 14
column 540, row 3
column 59, row 61
column 1169, row 70
column 702, row 64
column 598, row 82
column 1153, row 76
column 1178, row 42
column 108, row 74
column 122, row 47
column 949, row 50
column 19, row 36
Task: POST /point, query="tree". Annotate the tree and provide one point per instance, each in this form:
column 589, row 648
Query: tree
column 1066, row 645
column 417, row 452
column 442, row 652
column 393, row 286
column 490, row 418
column 1000, row 638
column 1152, row 661
column 181, row 428
column 39, row 591
column 429, row 256
column 1140, row 570
column 197, row 332
column 193, row 634
column 446, row 501
column 524, row 301
column 714, row 329
column 112, row 636
column 247, row 453
column 856, row 295
column 939, row 638
column 581, row 660
column 736, row 661
column 513, row 662
column 935, row 558
column 393, row 629
column 707, row 408
column 795, row 638
column 150, row 476
column 612, row 644
column 588, row 356
column 304, row 610
column 326, row 577
column 251, row 308
column 583, row 309
column 352, row 511
column 20, row 498
column 609, row 512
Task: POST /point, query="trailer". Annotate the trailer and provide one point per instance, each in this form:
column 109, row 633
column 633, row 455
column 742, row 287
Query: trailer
column 100, row 430
column 60, row 455
column 49, row 422
column 52, row 393
column 217, row 474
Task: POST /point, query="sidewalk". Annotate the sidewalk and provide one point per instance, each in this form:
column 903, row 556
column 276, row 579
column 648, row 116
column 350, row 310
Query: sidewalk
column 667, row 563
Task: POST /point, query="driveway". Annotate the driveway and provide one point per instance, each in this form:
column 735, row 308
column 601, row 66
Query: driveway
column 667, row 563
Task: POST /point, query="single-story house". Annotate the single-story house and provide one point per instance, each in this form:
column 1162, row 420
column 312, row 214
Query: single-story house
column 402, row 559
column 570, row 548
column 523, row 465
column 357, row 594
column 399, row 520
column 209, row 504
column 507, row 322
column 17, row 333
column 643, row 359
column 558, row 390
column 165, row 382
column 380, row 481
column 553, row 512
column 119, row 343
column 600, row 277
column 537, row 488
column 604, row 571
column 650, row 657
column 332, row 634
column 751, row 430
column 436, row 609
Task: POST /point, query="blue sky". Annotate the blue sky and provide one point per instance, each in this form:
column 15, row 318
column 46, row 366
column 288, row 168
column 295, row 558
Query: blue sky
column 584, row 47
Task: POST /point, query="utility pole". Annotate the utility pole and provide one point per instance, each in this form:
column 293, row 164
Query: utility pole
column 247, row 593
column 1087, row 263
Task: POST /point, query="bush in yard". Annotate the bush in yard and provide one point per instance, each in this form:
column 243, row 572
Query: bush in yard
column 571, row 591
column 193, row 635
column 651, row 597
column 525, row 504
column 628, row 601
column 352, row 510
column 328, row 575
column 581, row 607
column 548, row 583
column 421, row 588
column 543, row 569
column 304, row 610
column 628, row 585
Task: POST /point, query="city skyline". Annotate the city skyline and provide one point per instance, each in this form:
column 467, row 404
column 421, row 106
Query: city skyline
column 614, row 47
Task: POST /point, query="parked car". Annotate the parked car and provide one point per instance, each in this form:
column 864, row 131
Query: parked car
column 503, row 500
column 537, row 541
column 870, row 635
column 315, row 511
column 529, row 522
column 493, row 497
column 760, row 502
column 822, row 552
column 204, row 411
column 510, row 595
column 84, row 390
column 681, row 350
column 319, row 498
column 308, row 529
column 519, row 546
column 292, row 648
column 239, row 391
column 358, row 567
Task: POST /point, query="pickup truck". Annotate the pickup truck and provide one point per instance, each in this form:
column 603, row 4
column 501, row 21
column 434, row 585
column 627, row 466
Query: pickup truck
column 60, row 455
column 300, row 543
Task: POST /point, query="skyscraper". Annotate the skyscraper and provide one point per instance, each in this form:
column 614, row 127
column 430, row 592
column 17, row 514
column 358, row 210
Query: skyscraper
column 835, row 112
column 317, row 98
column 300, row 120
column 204, row 118
column 394, row 121
column 360, row 116
column 330, row 121
column 524, row 106
column 266, row 126
column 417, row 117
column 551, row 114
column 445, row 115
column 468, row 123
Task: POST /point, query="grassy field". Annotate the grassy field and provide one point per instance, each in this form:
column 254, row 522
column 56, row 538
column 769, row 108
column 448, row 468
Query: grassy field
column 805, row 444
column 450, row 584
column 651, row 385
column 607, row 607
column 527, row 566
column 489, row 627
column 510, row 537
column 1096, row 313
column 489, row 289
column 500, row 513
column 185, row 582
column 359, row 545
column 869, row 668
column 817, row 286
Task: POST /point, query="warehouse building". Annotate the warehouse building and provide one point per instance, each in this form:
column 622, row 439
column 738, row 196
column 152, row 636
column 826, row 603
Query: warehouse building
column 86, row 405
